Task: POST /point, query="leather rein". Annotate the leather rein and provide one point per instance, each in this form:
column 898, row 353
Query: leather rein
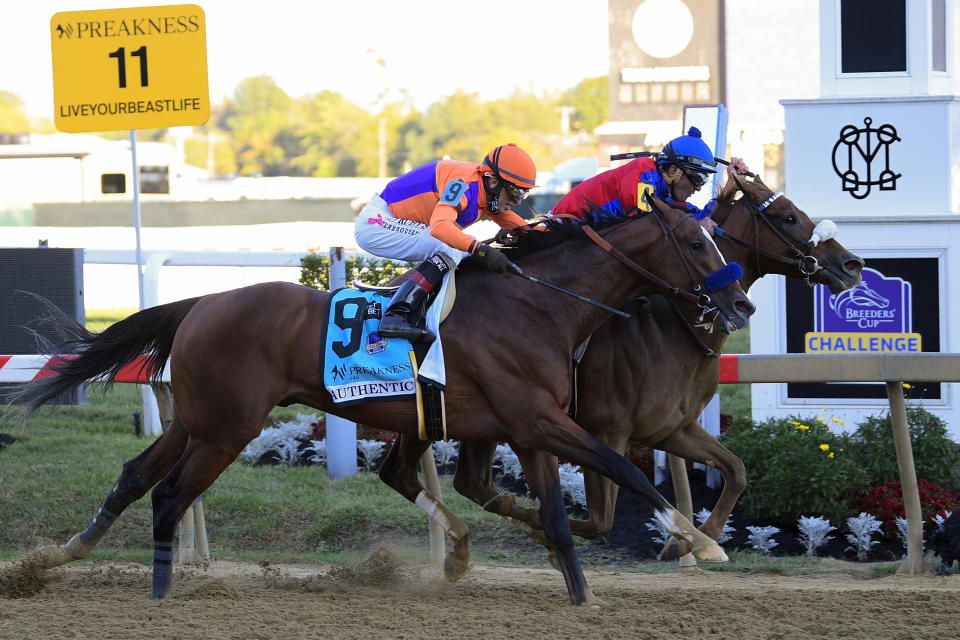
column 803, row 260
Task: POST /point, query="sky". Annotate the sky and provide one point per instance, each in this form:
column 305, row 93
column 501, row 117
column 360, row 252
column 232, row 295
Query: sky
column 431, row 47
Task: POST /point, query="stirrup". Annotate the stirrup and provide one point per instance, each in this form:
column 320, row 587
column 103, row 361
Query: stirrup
column 396, row 326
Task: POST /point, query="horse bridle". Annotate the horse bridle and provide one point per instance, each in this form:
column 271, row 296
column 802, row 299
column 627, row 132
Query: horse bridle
column 696, row 295
column 805, row 262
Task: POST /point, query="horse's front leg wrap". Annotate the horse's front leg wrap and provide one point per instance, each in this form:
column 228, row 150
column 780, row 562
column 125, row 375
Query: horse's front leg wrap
column 162, row 567
column 457, row 561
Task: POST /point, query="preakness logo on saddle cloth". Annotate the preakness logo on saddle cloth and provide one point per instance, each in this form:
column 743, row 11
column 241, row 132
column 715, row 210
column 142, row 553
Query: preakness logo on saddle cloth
column 358, row 363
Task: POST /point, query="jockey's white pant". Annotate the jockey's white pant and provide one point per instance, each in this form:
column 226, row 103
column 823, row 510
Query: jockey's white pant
column 379, row 233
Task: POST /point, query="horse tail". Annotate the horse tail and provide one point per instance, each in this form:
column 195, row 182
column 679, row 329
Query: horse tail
column 100, row 356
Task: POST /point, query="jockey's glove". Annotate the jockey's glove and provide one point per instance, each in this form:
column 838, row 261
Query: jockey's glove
column 496, row 260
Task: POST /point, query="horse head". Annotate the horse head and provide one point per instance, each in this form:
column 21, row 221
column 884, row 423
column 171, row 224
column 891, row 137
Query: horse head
column 725, row 306
column 783, row 239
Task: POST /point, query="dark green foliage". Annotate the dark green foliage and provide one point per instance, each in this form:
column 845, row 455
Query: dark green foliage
column 796, row 467
column 315, row 270
column 934, row 454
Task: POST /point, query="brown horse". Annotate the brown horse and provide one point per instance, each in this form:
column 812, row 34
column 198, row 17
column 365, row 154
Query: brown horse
column 235, row 355
column 645, row 380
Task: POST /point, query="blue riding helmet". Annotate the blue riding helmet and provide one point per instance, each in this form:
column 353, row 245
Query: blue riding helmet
column 688, row 152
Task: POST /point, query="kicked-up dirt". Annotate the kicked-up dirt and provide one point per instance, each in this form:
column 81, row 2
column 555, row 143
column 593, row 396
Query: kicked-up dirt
column 384, row 598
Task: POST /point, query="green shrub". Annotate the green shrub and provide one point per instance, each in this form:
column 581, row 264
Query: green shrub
column 315, row 270
column 796, row 467
column 934, row 454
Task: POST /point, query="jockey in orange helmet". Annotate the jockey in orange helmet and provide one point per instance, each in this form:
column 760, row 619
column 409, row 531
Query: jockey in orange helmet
column 419, row 216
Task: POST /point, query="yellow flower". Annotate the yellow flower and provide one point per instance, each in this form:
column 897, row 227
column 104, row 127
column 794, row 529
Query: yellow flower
column 802, row 427
column 840, row 422
column 795, row 423
column 907, row 385
column 831, row 455
column 824, row 447
column 821, row 419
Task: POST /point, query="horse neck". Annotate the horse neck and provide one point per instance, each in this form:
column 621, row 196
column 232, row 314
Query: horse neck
column 740, row 224
column 585, row 268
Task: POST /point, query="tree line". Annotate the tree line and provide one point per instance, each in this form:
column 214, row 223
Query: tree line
column 260, row 130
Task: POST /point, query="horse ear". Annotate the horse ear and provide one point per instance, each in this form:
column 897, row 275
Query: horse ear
column 757, row 181
column 729, row 190
column 659, row 204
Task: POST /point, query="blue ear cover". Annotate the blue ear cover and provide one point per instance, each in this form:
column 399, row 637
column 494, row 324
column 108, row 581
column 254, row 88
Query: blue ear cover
column 720, row 278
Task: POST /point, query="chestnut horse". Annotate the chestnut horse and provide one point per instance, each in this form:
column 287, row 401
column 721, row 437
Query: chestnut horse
column 645, row 380
column 508, row 344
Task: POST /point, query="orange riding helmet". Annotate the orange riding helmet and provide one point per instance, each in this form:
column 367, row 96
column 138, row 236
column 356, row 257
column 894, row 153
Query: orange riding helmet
column 511, row 163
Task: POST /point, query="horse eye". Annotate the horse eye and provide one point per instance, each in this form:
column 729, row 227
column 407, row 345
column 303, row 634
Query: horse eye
column 697, row 246
column 791, row 219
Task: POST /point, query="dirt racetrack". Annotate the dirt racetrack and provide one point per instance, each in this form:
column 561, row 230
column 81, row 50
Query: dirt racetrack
column 382, row 598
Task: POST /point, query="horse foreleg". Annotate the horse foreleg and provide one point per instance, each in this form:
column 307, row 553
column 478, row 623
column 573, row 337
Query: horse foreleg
column 399, row 472
column 136, row 478
column 694, row 443
column 601, row 496
column 557, row 433
column 543, row 477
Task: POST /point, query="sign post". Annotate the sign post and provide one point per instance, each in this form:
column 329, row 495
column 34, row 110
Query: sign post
column 134, row 68
column 137, row 68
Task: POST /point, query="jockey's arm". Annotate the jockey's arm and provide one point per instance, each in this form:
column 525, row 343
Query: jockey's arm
column 444, row 227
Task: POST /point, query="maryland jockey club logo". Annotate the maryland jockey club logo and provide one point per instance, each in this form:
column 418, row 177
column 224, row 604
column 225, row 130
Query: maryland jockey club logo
column 876, row 316
column 856, row 158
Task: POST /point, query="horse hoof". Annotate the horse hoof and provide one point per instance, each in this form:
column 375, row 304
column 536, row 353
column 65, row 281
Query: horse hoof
column 593, row 601
column 711, row 552
column 453, row 569
column 53, row 556
column 674, row 549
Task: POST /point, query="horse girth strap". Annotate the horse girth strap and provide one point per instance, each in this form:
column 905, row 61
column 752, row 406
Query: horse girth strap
column 652, row 277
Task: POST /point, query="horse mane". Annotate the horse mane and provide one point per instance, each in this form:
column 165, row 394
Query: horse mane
column 556, row 230
column 754, row 189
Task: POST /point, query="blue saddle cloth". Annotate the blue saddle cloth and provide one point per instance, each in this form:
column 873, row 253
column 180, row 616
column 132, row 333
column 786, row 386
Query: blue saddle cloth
column 358, row 364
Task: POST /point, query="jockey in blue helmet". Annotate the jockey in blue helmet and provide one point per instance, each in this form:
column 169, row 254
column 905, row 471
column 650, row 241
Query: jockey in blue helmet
column 691, row 158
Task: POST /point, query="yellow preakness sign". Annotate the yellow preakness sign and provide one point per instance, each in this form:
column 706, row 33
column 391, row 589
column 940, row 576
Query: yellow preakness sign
column 138, row 68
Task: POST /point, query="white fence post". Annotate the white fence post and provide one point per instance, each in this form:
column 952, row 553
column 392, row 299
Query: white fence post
column 341, row 434
column 150, row 284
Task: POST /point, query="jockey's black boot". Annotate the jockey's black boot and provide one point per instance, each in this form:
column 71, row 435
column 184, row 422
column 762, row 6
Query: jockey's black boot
column 409, row 304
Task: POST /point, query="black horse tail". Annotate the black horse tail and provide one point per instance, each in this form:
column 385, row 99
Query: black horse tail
column 100, row 356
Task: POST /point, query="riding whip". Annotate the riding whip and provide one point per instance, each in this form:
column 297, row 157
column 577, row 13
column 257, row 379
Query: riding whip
column 649, row 154
column 572, row 294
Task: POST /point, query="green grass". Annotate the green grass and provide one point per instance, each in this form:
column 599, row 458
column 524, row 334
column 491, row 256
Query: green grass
column 64, row 462
column 100, row 319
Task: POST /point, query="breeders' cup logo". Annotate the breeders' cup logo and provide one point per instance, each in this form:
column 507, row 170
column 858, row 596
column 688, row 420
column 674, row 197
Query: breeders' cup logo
column 856, row 157
column 877, row 305
column 375, row 343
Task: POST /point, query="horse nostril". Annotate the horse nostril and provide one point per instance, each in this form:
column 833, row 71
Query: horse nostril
column 853, row 266
column 745, row 307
